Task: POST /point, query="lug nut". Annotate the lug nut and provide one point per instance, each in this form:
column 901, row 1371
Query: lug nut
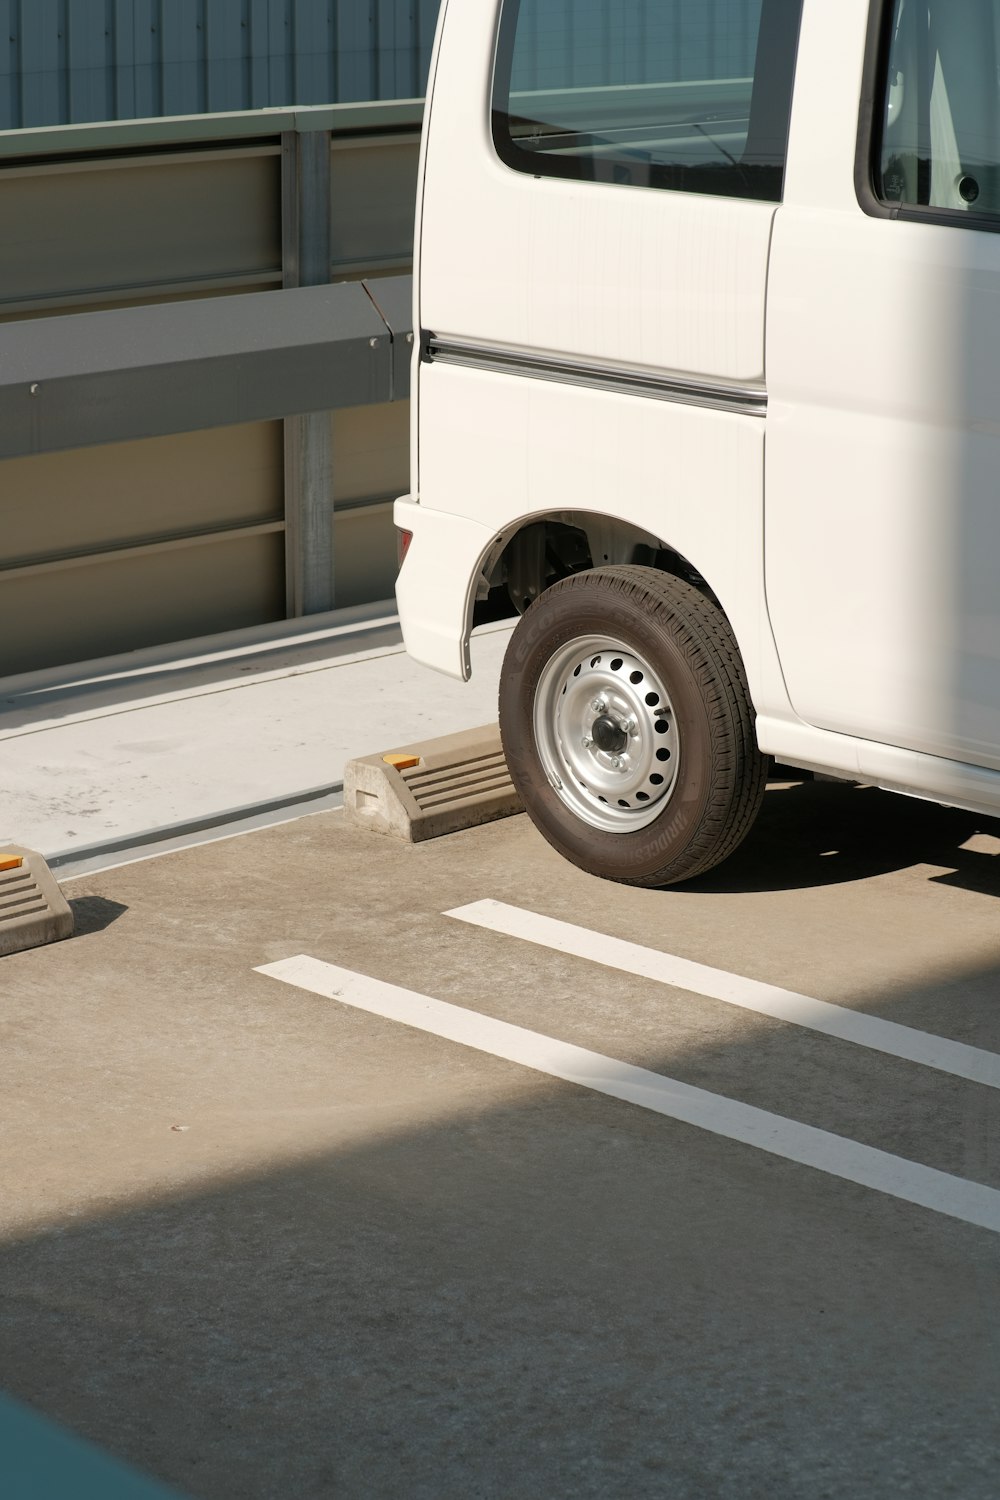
column 599, row 706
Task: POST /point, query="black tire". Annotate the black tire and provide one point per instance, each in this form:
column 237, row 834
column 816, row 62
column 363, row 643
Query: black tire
column 719, row 777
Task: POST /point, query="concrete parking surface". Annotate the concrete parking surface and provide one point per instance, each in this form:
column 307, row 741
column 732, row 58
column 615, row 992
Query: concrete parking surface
column 261, row 1243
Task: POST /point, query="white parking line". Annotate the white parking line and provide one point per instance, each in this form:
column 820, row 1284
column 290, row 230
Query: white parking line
column 750, row 994
column 939, row 1191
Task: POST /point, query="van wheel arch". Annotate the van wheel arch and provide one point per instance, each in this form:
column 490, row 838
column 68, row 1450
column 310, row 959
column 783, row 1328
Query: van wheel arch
column 543, row 550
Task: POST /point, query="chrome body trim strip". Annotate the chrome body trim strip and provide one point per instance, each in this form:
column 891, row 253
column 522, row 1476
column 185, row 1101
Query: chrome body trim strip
column 743, row 400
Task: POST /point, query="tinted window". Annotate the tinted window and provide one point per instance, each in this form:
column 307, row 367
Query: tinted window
column 940, row 138
column 682, row 94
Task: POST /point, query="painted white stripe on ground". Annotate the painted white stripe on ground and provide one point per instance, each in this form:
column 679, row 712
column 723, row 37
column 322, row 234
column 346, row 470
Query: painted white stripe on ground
column 750, row 994
column 833, row 1154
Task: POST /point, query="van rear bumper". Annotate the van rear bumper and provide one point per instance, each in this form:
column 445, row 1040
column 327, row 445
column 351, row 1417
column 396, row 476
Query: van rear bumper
column 435, row 589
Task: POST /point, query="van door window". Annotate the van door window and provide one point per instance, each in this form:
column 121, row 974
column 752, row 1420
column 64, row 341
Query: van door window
column 940, row 147
column 681, row 94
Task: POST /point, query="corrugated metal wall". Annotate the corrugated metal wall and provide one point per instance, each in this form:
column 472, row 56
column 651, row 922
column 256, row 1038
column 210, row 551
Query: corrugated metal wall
column 589, row 43
column 74, row 61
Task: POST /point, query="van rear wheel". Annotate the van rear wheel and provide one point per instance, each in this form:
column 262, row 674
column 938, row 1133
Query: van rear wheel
column 627, row 726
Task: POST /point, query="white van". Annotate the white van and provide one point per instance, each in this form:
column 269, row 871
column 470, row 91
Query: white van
column 708, row 388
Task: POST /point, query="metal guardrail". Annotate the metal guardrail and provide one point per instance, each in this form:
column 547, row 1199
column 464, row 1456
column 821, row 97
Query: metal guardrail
column 109, row 377
column 358, row 119
column 223, row 275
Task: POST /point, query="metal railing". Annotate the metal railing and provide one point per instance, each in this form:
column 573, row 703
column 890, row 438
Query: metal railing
column 166, row 278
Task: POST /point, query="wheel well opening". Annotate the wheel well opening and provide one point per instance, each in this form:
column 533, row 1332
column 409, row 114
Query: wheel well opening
column 541, row 552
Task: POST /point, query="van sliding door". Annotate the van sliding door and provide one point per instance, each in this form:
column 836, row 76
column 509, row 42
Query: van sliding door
column 882, row 497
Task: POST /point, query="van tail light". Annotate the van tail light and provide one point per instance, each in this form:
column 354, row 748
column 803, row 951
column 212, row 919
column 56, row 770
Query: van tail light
column 403, row 540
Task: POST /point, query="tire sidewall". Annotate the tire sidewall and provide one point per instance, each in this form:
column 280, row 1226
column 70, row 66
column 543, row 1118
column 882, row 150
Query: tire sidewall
column 641, row 624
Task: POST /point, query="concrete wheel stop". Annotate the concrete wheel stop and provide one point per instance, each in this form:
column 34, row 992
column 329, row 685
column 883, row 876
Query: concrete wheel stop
column 33, row 910
column 423, row 791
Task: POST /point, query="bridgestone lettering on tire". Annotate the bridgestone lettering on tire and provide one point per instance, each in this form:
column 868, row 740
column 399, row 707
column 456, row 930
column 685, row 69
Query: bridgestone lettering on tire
column 628, row 728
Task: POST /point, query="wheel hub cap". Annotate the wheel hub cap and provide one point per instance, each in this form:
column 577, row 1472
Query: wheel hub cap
column 609, row 736
column 606, row 734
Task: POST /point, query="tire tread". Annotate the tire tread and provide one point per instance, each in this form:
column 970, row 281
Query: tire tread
column 709, row 644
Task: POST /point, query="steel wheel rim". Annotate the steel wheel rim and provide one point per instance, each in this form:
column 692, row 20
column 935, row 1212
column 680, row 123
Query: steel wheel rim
column 606, row 734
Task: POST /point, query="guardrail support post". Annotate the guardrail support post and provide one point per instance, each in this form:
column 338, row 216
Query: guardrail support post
column 309, row 498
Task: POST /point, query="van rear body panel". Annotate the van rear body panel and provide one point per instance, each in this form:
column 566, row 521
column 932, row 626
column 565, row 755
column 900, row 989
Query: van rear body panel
column 664, row 288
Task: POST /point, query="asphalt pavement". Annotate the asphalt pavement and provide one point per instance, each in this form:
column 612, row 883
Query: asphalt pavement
column 302, row 1202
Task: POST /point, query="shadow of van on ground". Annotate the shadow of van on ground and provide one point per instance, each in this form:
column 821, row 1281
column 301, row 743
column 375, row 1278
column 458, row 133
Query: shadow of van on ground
column 817, row 833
